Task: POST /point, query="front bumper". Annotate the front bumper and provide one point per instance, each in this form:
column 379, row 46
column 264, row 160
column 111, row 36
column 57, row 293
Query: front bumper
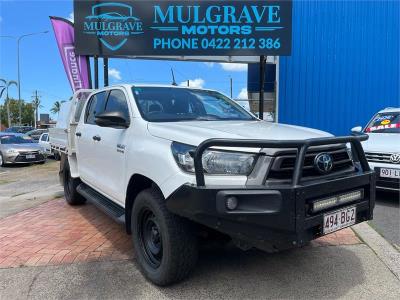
column 384, row 183
column 22, row 159
column 275, row 216
column 271, row 219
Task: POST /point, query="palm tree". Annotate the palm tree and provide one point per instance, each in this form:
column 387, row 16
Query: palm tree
column 56, row 107
column 4, row 87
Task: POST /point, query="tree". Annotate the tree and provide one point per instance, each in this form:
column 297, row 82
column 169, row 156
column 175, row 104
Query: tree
column 13, row 104
column 56, row 107
column 4, row 87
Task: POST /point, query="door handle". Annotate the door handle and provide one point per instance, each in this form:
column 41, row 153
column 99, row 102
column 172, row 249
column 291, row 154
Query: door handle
column 97, row 138
column 78, row 134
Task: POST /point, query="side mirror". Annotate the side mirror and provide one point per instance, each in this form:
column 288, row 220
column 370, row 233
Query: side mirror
column 357, row 129
column 111, row 119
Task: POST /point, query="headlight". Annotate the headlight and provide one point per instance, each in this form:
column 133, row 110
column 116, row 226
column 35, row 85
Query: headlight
column 11, row 151
column 214, row 162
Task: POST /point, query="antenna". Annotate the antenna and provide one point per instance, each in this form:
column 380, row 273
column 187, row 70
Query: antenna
column 173, row 78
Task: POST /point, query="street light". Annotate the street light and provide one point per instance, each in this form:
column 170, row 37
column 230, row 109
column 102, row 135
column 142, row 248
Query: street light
column 19, row 38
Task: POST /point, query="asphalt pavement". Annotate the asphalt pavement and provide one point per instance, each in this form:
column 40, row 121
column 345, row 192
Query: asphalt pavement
column 25, row 186
column 340, row 272
column 387, row 217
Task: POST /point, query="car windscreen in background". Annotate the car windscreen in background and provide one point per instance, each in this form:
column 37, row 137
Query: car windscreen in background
column 385, row 123
column 12, row 139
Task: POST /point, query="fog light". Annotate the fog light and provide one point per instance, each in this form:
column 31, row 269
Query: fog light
column 337, row 200
column 231, row 203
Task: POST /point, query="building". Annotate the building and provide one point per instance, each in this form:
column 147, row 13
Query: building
column 344, row 65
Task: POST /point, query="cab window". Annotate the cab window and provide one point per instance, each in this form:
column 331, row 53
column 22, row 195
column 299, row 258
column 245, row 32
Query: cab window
column 95, row 106
column 117, row 103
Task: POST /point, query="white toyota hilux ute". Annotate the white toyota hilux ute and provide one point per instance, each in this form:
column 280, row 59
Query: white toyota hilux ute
column 181, row 165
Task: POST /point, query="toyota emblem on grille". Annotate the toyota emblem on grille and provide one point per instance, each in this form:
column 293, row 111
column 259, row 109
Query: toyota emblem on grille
column 323, row 162
column 395, row 158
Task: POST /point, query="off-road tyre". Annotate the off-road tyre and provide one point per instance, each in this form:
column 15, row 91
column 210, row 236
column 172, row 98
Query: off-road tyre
column 179, row 244
column 70, row 184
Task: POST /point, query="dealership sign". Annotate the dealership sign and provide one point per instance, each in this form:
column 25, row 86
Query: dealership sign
column 116, row 28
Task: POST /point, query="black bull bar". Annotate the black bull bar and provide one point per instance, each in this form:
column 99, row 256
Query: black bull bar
column 285, row 220
column 301, row 146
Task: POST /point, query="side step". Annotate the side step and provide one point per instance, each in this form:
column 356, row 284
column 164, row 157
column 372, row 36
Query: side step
column 112, row 209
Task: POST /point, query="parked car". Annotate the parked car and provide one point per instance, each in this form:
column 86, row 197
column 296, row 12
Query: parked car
column 19, row 149
column 19, row 129
column 45, row 144
column 36, row 133
column 383, row 147
column 176, row 163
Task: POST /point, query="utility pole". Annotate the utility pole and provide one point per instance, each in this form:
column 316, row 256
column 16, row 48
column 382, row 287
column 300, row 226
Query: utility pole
column 36, row 103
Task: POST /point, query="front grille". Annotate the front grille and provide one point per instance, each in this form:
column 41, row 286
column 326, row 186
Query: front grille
column 29, row 153
column 283, row 166
column 379, row 157
column 388, row 183
column 23, row 158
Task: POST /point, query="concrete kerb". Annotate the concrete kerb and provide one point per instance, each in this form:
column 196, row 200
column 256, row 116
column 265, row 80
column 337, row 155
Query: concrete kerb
column 382, row 248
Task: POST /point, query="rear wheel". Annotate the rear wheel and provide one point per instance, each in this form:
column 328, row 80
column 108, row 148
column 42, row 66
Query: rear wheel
column 2, row 163
column 165, row 244
column 70, row 185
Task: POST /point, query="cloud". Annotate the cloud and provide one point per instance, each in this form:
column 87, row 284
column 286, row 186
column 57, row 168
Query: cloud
column 114, row 73
column 1, row 18
column 234, row 67
column 209, row 64
column 71, row 17
column 194, row 83
column 243, row 94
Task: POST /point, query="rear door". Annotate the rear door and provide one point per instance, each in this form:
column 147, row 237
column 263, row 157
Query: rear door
column 89, row 151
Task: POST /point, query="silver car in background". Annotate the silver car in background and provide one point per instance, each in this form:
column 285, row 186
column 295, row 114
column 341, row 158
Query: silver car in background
column 19, row 149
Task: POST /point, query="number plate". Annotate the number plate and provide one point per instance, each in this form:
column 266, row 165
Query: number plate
column 389, row 173
column 30, row 156
column 339, row 219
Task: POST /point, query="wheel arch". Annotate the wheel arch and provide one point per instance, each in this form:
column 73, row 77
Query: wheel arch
column 137, row 183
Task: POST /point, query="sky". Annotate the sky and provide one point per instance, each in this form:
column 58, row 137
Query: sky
column 41, row 67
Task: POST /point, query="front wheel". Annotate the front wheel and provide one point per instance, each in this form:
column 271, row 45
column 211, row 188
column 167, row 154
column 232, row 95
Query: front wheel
column 165, row 244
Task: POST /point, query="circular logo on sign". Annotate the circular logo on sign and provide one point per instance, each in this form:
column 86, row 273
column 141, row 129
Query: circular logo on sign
column 323, row 163
column 385, row 122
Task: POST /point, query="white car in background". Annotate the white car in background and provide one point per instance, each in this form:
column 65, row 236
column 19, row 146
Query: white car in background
column 45, row 144
column 382, row 149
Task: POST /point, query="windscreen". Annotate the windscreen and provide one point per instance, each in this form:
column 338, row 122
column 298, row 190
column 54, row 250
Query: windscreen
column 15, row 139
column 164, row 104
column 385, row 123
